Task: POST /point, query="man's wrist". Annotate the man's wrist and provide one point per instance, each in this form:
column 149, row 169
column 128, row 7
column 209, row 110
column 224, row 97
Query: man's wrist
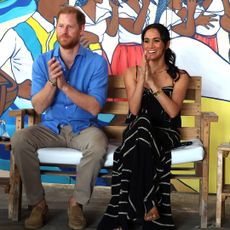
column 52, row 82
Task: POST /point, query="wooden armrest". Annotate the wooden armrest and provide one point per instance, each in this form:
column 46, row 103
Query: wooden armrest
column 209, row 116
column 19, row 114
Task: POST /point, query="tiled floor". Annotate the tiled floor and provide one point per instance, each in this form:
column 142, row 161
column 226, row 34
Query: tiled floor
column 184, row 205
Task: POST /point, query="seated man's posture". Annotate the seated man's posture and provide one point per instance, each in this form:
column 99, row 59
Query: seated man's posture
column 69, row 83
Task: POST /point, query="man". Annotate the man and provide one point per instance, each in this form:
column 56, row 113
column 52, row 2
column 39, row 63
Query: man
column 70, row 84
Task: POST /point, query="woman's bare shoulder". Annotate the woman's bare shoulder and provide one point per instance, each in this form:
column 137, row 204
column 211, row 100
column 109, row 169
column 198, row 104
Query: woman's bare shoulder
column 184, row 74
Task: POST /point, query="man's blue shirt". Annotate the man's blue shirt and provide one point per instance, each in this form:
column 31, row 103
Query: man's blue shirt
column 88, row 74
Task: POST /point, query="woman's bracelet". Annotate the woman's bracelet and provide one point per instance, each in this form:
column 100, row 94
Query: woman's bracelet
column 157, row 93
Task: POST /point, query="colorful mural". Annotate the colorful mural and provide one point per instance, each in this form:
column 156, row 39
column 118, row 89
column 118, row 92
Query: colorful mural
column 200, row 32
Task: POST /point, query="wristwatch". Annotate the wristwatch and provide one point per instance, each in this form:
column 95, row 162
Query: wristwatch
column 52, row 82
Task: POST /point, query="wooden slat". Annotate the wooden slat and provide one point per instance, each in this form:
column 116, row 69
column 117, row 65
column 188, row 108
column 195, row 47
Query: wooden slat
column 117, row 93
column 116, row 107
column 114, row 132
column 190, row 95
column 189, row 133
column 116, row 82
column 184, row 176
column 190, row 109
column 195, row 83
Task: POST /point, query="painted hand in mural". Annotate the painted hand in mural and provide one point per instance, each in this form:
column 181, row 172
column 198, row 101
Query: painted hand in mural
column 205, row 20
column 88, row 38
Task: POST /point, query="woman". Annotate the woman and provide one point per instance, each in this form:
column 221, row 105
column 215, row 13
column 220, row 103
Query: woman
column 141, row 170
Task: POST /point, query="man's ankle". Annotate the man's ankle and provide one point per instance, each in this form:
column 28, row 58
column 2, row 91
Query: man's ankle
column 73, row 202
column 42, row 204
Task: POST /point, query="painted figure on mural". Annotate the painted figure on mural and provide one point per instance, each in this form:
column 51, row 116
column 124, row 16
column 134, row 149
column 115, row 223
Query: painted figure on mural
column 9, row 89
column 207, row 16
column 223, row 35
column 22, row 49
column 133, row 17
column 181, row 17
column 198, row 19
column 188, row 48
column 99, row 20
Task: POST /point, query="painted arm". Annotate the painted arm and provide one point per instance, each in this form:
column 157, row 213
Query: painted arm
column 113, row 22
column 187, row 26
column 225, row 19
column 136, row 26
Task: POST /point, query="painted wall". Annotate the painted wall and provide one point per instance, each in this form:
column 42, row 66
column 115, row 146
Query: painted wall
column 200, row 38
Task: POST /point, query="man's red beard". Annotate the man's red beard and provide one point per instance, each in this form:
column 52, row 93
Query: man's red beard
column 67, row 42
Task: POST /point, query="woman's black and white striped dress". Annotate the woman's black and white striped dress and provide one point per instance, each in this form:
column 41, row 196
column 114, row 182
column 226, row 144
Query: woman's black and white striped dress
column 141, row 169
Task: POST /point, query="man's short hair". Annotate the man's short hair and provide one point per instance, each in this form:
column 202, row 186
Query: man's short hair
column 80, row 17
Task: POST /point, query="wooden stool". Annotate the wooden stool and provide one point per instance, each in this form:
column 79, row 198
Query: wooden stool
column 223, row 190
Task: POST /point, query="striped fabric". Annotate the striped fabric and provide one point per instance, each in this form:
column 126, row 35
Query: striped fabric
column 141, row 170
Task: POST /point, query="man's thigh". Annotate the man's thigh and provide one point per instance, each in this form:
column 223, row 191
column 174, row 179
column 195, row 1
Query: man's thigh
column 39, row 136
column 91, row 137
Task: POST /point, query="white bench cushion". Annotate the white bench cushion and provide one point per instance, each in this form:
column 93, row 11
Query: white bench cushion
column 183, row 154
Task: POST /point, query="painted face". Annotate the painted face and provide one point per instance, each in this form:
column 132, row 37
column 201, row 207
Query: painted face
column 68, row 31
column 153, row 46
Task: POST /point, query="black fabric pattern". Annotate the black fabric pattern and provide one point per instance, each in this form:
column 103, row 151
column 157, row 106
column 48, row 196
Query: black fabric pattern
column 141, row 169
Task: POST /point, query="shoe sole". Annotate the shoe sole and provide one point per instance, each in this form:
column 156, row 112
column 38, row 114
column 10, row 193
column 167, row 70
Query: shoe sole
column 76, row 228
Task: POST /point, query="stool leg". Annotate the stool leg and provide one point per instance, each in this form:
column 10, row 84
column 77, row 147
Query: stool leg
column 219, row 200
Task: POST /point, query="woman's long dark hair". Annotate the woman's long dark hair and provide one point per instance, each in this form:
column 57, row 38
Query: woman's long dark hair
column 170, row 56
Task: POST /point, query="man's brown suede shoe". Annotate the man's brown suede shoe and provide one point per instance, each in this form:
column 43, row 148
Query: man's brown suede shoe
column 77, row 219
column 36, row 218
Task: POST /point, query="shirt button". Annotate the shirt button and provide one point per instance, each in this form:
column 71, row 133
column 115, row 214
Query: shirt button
column 66, row 107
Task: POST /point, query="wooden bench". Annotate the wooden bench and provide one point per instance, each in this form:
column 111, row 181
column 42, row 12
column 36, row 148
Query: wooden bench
column 198, row 127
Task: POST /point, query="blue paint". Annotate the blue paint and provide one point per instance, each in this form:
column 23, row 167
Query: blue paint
column 10, row 9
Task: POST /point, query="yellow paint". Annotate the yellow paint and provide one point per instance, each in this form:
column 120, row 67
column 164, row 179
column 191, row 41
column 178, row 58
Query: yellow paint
column 46, row 39
column 220, row 132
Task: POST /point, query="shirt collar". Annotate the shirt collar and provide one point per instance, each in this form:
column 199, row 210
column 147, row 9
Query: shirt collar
column 81, row 51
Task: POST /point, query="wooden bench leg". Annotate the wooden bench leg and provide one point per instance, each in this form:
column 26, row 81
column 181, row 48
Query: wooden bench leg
column 204, row 195
column 220, row 201
column 15, row 194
